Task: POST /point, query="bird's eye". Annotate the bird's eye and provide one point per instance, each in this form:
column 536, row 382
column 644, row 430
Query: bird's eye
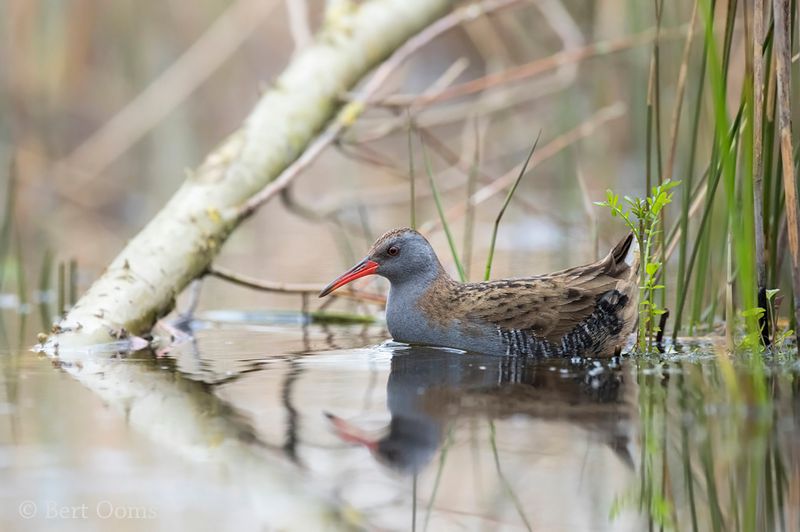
column 393, row 250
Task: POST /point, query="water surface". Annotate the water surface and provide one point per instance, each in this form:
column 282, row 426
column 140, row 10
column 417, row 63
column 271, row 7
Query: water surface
column 258, row 421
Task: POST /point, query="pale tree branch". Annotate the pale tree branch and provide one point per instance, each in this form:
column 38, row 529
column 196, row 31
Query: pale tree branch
column 299, row 25
column 290, row 288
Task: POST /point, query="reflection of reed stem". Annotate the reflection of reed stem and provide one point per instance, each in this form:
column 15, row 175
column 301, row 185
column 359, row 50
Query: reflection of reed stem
column 711, row 484
column 503, row 479
column 442, row 458
column 411, row 175
column 414, row 503
column 686, row 454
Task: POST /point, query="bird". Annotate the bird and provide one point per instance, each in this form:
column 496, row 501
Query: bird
column 585, row 311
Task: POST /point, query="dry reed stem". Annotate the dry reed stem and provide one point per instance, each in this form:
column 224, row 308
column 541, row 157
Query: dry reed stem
column 679, row 93
column 782, row 17
column 534, row 68
column 758, row 160
column 512, row 97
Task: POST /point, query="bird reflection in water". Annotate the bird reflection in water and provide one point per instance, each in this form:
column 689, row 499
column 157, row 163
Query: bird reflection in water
column 430, row 388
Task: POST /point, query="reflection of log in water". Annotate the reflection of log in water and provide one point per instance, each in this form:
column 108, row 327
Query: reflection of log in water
column 429, row 388
column 290, row 443
column 185, row 417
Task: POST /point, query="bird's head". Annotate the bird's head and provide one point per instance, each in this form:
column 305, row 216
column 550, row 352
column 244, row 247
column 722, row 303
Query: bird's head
column 400, row 255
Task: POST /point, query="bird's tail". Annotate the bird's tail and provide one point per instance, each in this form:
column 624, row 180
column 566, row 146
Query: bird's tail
column 625, row 256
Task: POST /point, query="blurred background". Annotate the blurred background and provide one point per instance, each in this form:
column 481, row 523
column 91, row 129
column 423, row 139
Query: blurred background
column 106, row 105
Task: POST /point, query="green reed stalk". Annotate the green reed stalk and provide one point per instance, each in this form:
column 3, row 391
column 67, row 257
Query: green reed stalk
column 738, row 225
column 721, row 251
column 722, row 160
column 682, row 279
column 73, row 282
column 411, row 174
column 22, row 284
column 61, row 304
column 500, row 214
column 688, row 194
column 469, row 215
column 438, row 200
column 22, row 291
column 8, row 219
column 662, row 273
column 744, row 211
column 45, row 287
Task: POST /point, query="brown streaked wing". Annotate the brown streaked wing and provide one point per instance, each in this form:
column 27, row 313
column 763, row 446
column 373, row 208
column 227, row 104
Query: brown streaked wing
column 550, row 306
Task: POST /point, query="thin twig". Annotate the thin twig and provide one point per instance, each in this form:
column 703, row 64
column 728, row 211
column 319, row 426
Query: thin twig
column 533, row 68
column 290, row 288
column 562, row 24
column 350, row 112
column 505, row 97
